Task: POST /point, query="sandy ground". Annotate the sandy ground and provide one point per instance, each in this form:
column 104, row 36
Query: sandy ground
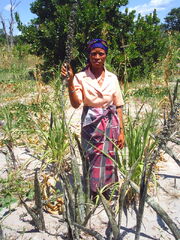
column 17, row 225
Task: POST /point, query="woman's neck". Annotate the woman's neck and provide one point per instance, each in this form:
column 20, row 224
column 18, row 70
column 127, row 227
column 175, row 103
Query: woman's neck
column 97, row 71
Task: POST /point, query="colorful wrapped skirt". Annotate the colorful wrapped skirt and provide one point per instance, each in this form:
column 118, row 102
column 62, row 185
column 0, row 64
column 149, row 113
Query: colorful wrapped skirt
column 100, row 129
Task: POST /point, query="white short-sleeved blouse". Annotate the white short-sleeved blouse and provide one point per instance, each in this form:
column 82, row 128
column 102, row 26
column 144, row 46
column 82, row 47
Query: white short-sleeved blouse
column 90, row 93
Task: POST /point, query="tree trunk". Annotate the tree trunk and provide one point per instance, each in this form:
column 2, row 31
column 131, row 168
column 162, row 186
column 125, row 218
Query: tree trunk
column 4, row 30
column 165, row 217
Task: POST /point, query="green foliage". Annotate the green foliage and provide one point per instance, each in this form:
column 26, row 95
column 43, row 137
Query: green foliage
column 151, row 92
column 12, row 187
column 144, row 47
column 139, row 144
column 55, row 140
column 18, row 116
column 47, row 32
column 7, row 200
column 2, row 37
column 21, row 50
column 172, row 47
column 172, row 21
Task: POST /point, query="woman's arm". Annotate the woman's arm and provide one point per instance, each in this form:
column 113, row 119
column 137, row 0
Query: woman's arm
column 121, row 138
column 75, row 102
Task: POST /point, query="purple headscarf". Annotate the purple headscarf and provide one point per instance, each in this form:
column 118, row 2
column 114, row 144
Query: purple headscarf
column 97, row 43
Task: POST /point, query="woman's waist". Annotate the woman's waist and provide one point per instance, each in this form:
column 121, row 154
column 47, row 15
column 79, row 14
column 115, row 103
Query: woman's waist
column 96, row 114
column 97, row 102
column 102, row 108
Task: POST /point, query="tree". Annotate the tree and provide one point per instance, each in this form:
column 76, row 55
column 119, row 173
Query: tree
column 134, row 44
column 173, row 20
column 4, row 29
column 9, row 35
column 140, row 45
column 47, row 33
column 2, row 37
column 145, row 46
column 13, row 6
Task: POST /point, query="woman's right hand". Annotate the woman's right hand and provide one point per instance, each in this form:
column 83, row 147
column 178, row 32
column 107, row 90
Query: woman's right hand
column 67, row 72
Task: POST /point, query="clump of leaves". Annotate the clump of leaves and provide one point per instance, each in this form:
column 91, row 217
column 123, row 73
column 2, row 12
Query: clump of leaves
column 18, row 124
column 12, row 187
column 55, row 139
column 139, row 143
column 151, row 92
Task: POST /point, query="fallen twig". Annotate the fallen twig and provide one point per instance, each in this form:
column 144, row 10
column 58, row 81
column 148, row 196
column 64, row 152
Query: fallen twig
column 91, row 232
column 170, row 153
column 145, row 177
column 160, row 211
column 13, row 158
column 1, row 233
column 114, row 225
column 36, row 212
column 174, row 141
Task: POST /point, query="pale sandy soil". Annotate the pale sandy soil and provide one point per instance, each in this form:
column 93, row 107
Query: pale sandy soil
column 17, row 225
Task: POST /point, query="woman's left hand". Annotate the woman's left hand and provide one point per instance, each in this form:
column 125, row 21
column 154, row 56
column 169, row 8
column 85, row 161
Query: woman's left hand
column 121, row 140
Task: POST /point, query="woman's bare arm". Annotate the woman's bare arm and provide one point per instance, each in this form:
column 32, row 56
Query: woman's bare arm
column 121, row 139
column 72, row 92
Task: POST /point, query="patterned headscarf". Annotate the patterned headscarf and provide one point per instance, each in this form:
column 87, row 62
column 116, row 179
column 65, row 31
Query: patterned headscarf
column 97, row 43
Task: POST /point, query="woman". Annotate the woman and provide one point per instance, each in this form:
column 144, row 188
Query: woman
column 101, row 122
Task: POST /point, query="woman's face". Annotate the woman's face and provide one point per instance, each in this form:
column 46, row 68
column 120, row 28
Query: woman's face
column 97, row 57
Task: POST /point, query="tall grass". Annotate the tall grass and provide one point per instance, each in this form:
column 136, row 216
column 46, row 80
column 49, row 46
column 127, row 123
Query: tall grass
column 14, row 74
column 15, row 115
column 138, row 141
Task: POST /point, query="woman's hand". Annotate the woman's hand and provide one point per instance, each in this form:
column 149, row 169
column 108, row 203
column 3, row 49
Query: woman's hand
column 67, row 72
column 121, row 140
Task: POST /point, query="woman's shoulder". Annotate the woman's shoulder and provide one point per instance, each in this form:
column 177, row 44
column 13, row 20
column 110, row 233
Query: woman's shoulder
column 111, row 74
column 81, row 73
